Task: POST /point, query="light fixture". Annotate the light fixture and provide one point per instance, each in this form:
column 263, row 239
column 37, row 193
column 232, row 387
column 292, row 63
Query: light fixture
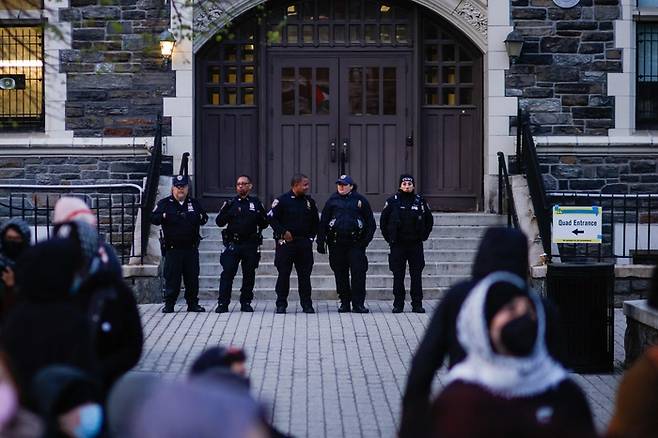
column 514, row 45
column 167, row 43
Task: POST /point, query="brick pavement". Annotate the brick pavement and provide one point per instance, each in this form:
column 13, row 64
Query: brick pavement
column 326, row 374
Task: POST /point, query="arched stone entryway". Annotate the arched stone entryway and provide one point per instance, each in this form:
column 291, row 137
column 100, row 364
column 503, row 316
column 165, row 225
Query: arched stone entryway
column 370, row 88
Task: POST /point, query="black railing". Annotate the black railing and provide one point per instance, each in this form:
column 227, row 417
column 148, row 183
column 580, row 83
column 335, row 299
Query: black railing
column 629, row 227
column 505, row 195
column 115, row 206
column 151, row 186
column 528, row 163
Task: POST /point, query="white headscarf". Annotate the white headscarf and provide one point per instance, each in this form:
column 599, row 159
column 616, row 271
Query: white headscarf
column 505, row 376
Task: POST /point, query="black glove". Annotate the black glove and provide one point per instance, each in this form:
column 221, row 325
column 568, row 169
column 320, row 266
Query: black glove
column 322, row 248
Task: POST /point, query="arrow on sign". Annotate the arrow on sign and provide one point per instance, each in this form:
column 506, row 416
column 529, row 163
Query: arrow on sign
column 577, row 231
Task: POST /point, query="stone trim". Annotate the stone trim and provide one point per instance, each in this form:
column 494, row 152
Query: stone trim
column 621, row 271
column 640, row 311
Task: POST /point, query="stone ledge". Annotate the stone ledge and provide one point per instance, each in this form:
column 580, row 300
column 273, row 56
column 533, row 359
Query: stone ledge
column 131, row 271
column 621, row 271
column 640, row 311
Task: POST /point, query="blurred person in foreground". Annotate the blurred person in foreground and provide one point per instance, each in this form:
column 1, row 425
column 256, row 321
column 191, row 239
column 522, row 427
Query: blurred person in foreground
column 227, row 366
column 501, row 249
column 508, row 385
column 637, row 396
column 46, row 327
column 69, row 401
column 109, row 303
column 197, row 409
column 15, row 421
column 15, row 237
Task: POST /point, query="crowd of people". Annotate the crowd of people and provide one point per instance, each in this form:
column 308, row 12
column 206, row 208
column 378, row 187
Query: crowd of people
column 71, row 331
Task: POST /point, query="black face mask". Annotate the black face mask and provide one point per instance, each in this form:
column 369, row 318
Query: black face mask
column 12, row 249
column 519, row 335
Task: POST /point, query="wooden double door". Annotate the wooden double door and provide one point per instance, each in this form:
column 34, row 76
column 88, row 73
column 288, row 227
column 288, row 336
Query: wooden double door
column 339, row 114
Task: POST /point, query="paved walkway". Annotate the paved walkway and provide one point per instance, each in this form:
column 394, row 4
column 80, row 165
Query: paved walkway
column 327, row 374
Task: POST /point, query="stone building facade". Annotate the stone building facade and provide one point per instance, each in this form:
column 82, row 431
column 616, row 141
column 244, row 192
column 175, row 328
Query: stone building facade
column 105, row 84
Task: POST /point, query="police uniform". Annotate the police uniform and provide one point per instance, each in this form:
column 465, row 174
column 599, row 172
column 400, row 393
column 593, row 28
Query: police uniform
column 347, row 226
column 181, row 222
column 245, row 219
column 299, row 216
column 406, row 222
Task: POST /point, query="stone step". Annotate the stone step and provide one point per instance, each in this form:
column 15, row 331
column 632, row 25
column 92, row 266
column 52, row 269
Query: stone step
column 214, row 233
column 374, row 255
column 478, row 219
column 471, row 241
column 328, row 281
column 372, row 293
column 374, row 268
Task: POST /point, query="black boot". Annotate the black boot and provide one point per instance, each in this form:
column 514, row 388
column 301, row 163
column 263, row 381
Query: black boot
column 168, row 308
column 360, row 308
column 398, row 308
column 195, row 308
column 246, row 307
column 280, row 309
column 221, row 308
column 344, row 307
column 417, row 308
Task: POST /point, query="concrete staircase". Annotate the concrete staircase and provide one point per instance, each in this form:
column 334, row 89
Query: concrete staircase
column 449, row 253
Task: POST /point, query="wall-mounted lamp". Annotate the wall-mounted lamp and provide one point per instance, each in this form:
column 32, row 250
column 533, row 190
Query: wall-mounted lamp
column 167, row 43
column 514, row 45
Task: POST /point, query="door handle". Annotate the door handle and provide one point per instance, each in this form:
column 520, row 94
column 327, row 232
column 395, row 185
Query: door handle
column 332, row 151
column 345, row 153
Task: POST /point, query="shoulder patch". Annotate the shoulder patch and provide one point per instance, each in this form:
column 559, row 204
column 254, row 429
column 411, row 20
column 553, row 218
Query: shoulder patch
column 358, row 204
column 275, row 203
column 385, row 204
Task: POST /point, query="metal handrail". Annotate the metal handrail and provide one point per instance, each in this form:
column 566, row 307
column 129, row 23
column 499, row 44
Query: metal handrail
column 74, row 187
column 504, row 184
column 151, row 186
column 529, row 163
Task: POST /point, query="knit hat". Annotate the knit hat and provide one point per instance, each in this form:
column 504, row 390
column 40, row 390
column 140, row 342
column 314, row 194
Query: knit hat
column 406, row 177
column 217, row 357
column 59, row 388
column 69, row 208
column 499, row 295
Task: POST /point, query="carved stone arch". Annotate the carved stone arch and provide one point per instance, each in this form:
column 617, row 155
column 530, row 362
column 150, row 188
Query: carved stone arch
column 470, row 16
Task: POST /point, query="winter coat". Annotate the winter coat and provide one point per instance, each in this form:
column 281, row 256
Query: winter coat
column 501, row 249
column 469, row 410
column 637, row 400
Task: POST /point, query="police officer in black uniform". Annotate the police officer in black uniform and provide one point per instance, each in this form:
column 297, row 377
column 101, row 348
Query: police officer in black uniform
column 347, row 227
column 245, row 217
column 181, row 216
column 406, row 222
column 294, row 219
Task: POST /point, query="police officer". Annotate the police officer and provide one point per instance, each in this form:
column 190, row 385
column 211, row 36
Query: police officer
column 406, row 222
column 294, row 219
column 181, row 216
column 347, row 227
column 246, row 220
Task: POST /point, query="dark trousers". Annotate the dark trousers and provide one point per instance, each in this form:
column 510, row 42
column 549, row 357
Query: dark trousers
column 300, row 253
column 345, row 260
column 401, row 253
column 182, row 263
column 233, row 255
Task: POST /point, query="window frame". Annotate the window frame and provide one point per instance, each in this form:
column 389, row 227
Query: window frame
column 15, row 123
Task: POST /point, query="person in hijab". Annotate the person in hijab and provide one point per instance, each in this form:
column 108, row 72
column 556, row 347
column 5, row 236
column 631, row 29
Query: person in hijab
column 508, row 385
column 46, row 327
column 15, row 421
column 124, row 400
column 501, row 249
column 69, row 401
column 196, row 409
column 116, row 327
column 637, row 395
column 15, row 236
